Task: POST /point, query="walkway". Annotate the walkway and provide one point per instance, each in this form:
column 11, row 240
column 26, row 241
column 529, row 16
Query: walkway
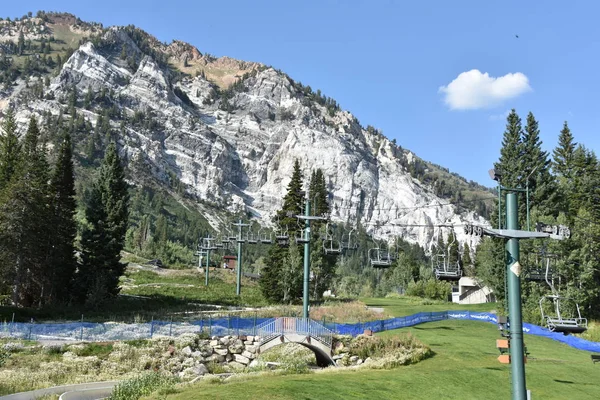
column 304, row 331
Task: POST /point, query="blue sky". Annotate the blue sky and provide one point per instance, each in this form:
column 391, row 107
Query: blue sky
column 386, row 61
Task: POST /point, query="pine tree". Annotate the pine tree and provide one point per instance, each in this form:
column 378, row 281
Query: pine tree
column 10, row 150
column 562, row 162
column 466, row 261
column 25, row 237
column 103, row 239
column 63, row 227
column 511, row 152
column 322, row 267
column 536, row 170
column 453, row 254
column 509, row 164
column 274, row 283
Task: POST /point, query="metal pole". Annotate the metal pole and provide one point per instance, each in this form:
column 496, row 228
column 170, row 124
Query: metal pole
column 513, row 270
column 499, row 206
column 238, row 287
column 207, row 264
column 306, row 259
column 527, row 200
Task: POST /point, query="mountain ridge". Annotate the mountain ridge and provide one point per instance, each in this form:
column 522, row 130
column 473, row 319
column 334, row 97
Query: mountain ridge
column 230, row 130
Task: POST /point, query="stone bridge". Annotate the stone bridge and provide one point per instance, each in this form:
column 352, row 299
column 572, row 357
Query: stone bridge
column 304, row 331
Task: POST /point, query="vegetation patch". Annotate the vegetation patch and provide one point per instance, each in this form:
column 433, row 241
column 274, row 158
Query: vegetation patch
column 380, row 352
column 142, row 385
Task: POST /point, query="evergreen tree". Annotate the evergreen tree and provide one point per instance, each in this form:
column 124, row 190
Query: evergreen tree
column 453, row 254
column 63, row 226
column 562, row 162
column 275, row 282
column 536, row 169
column 511, row 152
column 24, row 211
column 103, row 238
column 466, row 261
column 322, row 267
column 9, row 150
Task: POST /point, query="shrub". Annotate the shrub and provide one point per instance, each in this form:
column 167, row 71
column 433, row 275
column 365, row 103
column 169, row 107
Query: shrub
column 430, row 289
column 4, row 355
column 143, row 385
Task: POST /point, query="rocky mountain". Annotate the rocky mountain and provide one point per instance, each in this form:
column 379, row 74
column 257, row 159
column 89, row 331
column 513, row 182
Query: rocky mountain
column 228, row 131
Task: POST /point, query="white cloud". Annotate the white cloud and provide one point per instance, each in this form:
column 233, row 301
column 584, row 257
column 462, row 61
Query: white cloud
column 472, row 90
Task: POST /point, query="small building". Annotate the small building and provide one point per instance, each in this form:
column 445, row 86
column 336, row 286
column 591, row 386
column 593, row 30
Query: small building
column 229, row 262
column 471, row 291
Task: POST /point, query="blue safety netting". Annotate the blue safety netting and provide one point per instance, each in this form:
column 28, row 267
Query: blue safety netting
column 422, row 317
column 233, row 325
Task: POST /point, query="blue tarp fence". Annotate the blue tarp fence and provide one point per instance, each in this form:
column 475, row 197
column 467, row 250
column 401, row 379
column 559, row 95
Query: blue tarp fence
column 419, row 318
column 88, row 331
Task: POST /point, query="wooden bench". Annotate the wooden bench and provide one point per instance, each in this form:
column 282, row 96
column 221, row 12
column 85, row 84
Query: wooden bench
column 595, row 358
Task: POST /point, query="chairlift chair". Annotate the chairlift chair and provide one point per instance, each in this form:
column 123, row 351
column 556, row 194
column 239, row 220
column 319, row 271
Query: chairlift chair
column 251, row 237
column 331, row 246
column 443, row 269
column 557, row 321
column 301, row 236
column 264, row 237
column 347, row 243
column 282, row 237
column 536, row 272
column 380, row 257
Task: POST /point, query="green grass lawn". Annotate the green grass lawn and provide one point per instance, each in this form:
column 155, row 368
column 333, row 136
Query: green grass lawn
column 405, row 305
column 464, row 366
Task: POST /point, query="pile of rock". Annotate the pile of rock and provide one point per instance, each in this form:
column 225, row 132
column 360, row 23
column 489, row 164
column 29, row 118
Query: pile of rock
column 237, row 352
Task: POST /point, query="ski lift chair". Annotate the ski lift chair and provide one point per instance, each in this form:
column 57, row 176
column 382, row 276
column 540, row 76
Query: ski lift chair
column 379, row 258
column 282, row 237
column 331, row 247
column 301, row 236
column 264, row 237
column 347, row 243
column 557, row 321
column 251, row 237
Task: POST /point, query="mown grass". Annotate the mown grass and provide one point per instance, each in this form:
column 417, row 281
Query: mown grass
column 406, row 305
column 464, row 366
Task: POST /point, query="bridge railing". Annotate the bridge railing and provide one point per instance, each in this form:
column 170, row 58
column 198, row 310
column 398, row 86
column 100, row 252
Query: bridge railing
column 302, row 326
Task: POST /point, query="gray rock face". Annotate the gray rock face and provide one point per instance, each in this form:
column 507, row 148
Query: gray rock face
column 243, row 159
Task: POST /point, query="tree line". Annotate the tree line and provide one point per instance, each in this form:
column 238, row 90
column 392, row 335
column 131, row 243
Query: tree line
column 46, row 256
column 282, row 276
column 564, row 188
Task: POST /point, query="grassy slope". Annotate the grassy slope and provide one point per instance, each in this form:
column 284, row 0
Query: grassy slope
column 168, row 293
column 464, row 367
column 403, row 306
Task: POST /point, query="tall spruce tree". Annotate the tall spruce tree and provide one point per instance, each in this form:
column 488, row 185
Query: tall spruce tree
column 63, row 226
column 562, row 162
column 322, row 266
column 511, row 152
column 10, row 150
column 274, row 282
column 536, row 173
column 103, row 238
column 24, row 212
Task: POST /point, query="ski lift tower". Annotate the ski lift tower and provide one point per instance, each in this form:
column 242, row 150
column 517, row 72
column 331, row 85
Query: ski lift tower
column 513, row 272
column 307, row 218
column 240, row 241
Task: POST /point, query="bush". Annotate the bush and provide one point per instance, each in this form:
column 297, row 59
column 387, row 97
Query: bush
column 430, row 289
column 4, row 355
column 143, row 385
